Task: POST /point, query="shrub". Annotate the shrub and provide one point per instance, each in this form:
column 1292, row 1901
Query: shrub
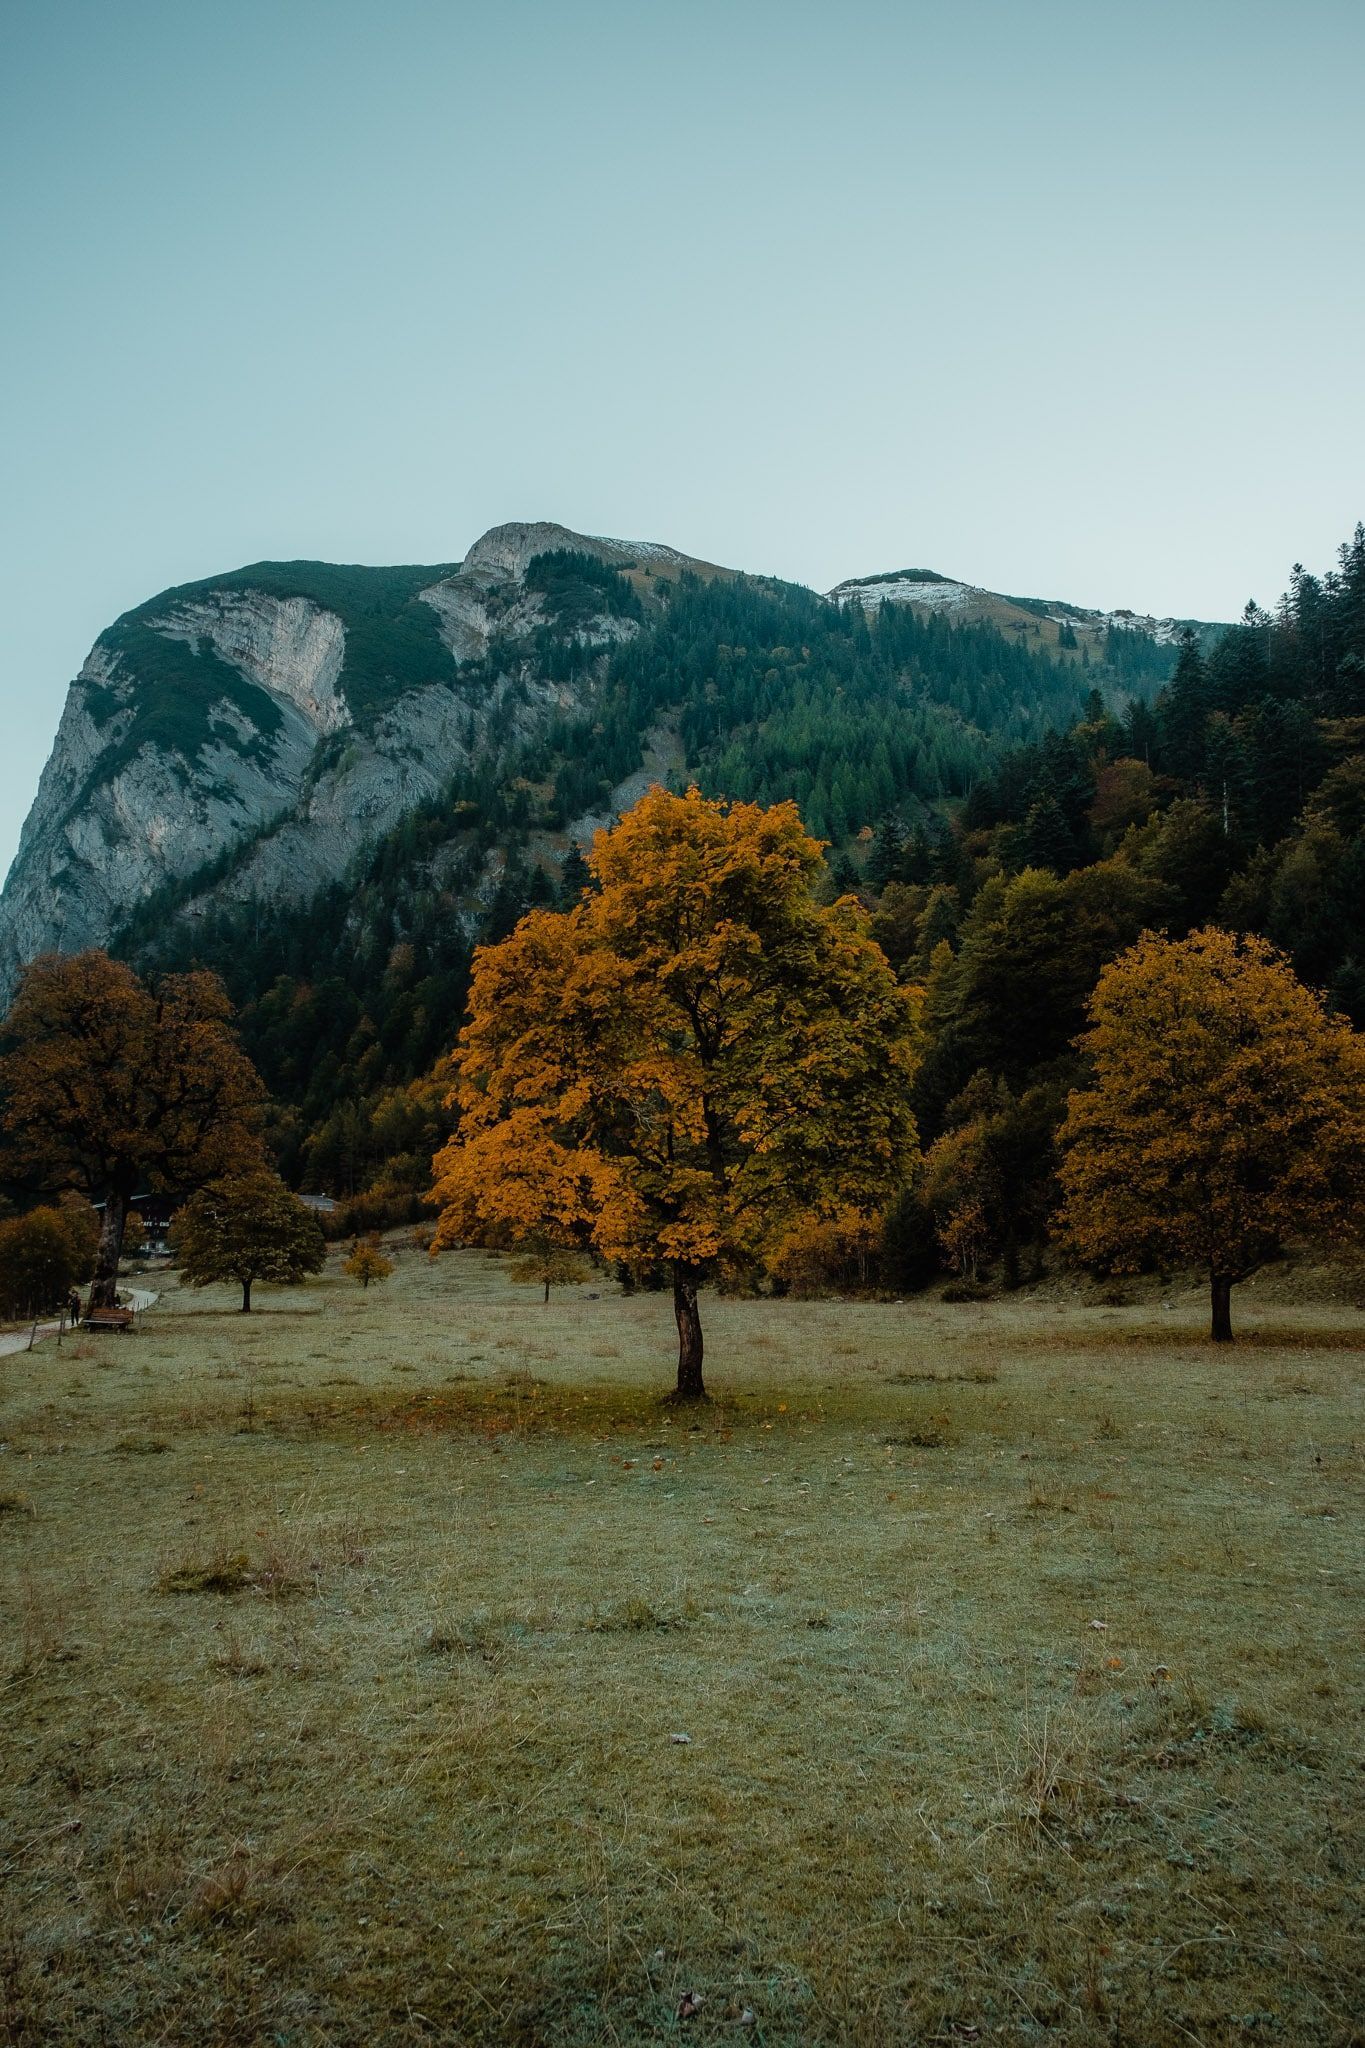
column 381, row 1207
column 43, row 1255
column 367, row 1262
column 549, row 1265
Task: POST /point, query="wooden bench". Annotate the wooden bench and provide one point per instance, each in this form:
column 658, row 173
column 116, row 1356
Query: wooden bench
column 109, row 1319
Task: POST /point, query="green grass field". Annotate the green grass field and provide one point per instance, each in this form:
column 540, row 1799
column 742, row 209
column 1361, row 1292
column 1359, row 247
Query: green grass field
column 345, row 1651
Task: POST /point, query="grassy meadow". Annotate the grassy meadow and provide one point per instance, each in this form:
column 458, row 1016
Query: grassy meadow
column 391, row 1667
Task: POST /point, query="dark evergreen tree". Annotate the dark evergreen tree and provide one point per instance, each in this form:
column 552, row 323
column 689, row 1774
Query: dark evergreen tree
column 1284, row 762
column 1227, row 782
column 1141, row 731
column 884, row 861
column 574, row 875
column 1182, row 710
column 1048, row 840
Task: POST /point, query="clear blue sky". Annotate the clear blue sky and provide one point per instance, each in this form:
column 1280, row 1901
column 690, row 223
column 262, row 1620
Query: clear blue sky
column 1067, row 299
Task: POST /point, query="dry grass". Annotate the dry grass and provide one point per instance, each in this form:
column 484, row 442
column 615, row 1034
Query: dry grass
column 347, row 1654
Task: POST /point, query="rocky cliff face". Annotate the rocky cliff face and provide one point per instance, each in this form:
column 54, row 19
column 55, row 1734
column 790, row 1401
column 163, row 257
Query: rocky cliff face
column 261, row 729
column 247, row 737
column 288, row 646
column 110, row 823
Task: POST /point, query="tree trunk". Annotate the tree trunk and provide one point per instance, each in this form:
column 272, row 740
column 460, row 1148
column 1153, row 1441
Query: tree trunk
column 246, row 1297
column 547, row 1293
column 104, row 1286
column 685, row 1314
column 1222, row 1309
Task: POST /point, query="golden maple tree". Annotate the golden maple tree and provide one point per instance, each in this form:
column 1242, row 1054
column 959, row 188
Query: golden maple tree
column 1227, row 1113
column 688, row 1061
column 368, row 1261
column 108, row 1083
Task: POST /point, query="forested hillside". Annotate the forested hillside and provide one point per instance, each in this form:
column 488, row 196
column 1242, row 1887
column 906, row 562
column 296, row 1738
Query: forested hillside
column 1011, row 814
column 1012, row 810
column 751, row 687
column 1237, row 799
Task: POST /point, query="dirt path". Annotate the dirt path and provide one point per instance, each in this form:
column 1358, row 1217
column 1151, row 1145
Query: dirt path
column 18, row 1340
column 11, row 1341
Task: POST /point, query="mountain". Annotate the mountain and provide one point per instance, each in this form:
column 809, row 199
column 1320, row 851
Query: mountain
column 251, row 738
column 329, row 784
column 282, row 716
column 1052, row 622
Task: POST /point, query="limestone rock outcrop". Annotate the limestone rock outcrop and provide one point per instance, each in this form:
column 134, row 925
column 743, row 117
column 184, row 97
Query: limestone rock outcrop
column 211, row 733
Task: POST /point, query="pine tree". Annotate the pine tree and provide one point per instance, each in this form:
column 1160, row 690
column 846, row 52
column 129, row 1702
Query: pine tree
column 884, row 861
column 1048, row 841
column 1182, row 710
column 1225, row 771
column 574, row 877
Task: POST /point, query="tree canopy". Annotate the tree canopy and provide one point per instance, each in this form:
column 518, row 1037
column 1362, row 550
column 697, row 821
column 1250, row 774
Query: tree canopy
column 368, row 1261
column 247, row 1228
column 684, row 1063
column 44, row 1254
column 108, row 1082
column 548, row 1265
column 1226, row 1113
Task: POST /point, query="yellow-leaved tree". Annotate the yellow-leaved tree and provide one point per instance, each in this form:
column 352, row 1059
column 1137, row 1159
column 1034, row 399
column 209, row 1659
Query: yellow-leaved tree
column 367, row 1261
column 1227, row 1112
column 692, row 1058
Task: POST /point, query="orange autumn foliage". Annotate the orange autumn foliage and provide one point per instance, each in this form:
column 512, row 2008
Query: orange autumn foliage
column 694, row 1057
column 826, row 1254
column 368, row 1261
column 1227, row 1113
